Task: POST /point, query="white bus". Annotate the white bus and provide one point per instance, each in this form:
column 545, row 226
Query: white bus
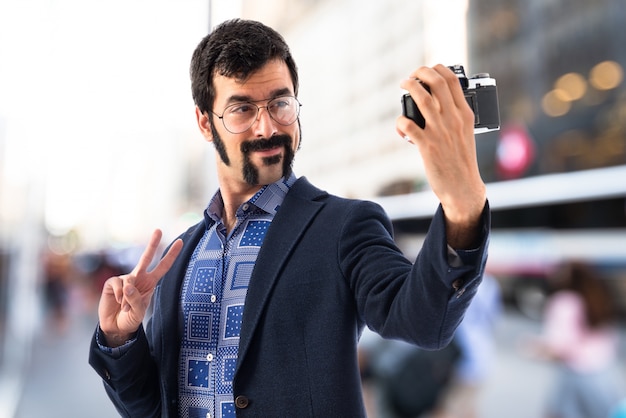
column 537, row 223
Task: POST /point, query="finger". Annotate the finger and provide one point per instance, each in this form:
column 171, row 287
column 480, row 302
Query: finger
column 406, row 126
column 442, row 81
column 114, row 286
column 421, row 72
column 454, row 84
column 407, row 129
column 166, row 262
column 417, row 88
column 148, row 254
column 430, row 102
column 148, row 280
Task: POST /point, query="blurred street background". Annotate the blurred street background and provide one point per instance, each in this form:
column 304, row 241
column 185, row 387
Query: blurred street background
column 98, row 147
column 58, row 382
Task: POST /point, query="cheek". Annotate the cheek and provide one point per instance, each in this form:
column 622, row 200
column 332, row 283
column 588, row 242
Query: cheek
column 232, row 144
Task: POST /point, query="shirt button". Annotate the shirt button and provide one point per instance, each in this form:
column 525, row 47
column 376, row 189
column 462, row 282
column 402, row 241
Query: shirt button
column 213, row 298
column 245, row 206
column 209, row 357
column 208, row 415
column 241, row 401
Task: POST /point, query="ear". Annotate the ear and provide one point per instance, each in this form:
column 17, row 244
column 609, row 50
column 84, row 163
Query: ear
column 204, row 124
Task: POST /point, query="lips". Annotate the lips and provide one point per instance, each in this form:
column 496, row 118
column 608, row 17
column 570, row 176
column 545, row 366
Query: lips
column 269, row 151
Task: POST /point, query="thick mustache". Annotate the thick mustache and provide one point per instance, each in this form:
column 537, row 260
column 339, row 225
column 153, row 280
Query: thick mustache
column 265, row 144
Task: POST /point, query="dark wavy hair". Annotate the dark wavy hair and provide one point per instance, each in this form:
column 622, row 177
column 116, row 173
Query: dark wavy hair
column 235, row 48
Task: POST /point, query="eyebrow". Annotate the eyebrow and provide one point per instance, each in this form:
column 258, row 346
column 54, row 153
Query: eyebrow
column 235, row 98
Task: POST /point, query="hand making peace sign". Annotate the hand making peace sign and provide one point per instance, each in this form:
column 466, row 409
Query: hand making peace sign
column 125, row 298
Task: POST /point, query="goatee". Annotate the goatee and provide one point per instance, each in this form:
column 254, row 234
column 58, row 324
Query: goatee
column 250, row 172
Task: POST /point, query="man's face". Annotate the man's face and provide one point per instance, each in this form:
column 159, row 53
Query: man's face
column 264, row 152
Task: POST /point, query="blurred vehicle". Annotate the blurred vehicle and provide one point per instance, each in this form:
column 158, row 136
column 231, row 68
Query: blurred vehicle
column 539, row 222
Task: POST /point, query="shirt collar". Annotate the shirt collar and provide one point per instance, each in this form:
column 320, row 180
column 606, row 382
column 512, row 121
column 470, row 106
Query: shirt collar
column 268, row 199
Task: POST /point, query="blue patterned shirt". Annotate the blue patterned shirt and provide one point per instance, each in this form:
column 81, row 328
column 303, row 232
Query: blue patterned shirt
column 212, row 300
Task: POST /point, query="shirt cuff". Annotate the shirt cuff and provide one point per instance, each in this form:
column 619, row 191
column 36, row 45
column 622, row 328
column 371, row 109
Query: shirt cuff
column 115, row 352
column 459, row 258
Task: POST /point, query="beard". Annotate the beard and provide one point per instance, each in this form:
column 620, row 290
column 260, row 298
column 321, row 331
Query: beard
column 219, row 144
column 249, row 171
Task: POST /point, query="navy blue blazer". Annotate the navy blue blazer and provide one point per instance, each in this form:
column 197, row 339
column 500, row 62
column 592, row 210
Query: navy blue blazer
column 327, row 268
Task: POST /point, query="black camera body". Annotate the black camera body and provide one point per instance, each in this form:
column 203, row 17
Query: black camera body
column 480, row 93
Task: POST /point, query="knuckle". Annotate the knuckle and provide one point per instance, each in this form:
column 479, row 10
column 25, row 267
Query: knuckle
column 112, row 281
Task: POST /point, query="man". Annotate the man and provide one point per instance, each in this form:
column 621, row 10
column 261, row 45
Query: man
column 257, row 310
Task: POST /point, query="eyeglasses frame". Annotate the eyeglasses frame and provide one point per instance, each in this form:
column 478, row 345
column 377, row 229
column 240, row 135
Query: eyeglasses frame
column 254, row 103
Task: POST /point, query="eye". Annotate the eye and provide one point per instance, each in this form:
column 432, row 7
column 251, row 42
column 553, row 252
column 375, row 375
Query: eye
column 241, row 109
column 280, row 103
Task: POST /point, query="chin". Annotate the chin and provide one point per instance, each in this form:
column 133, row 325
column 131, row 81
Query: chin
column 270, row 178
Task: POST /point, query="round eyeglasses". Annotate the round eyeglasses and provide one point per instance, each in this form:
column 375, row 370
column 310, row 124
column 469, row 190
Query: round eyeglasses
column 239, row 117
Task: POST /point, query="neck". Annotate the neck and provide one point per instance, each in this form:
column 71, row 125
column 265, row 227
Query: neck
column 233, row 198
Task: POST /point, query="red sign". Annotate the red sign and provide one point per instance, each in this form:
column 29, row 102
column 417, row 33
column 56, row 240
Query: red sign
column 515, row 152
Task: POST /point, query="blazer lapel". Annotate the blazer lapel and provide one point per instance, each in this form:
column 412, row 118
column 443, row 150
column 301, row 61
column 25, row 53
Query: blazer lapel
column 291, row 221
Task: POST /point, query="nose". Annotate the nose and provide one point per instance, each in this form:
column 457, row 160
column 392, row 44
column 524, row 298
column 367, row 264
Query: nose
column 264, row 126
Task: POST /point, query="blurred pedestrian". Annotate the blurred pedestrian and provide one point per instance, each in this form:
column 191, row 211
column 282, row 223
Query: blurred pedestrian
column 401, row 380
column 257, row 310
column 476, row 341
column 56, row 289
column 580, row 335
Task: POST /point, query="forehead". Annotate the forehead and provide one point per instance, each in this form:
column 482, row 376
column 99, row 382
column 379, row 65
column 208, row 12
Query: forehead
column 269, row 81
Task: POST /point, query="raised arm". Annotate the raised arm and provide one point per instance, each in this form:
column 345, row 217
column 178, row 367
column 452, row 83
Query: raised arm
column 448, row 149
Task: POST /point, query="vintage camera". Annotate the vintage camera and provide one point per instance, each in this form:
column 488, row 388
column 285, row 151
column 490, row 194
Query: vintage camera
column 480, row 93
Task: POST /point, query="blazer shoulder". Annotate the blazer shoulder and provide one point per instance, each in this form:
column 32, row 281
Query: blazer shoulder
column 304, row 190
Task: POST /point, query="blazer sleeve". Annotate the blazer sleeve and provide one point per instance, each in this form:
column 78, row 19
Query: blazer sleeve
column 131, row 381
column 421, row 302
column 134, row 383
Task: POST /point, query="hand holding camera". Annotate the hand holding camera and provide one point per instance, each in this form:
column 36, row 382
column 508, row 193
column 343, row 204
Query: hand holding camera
column 480, row 93
column 441, row 119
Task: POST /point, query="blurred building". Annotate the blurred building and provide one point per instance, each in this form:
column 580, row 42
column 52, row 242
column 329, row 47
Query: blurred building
column 98, row 144
column 553, row 169
column 560, row 69
column 352, row 57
